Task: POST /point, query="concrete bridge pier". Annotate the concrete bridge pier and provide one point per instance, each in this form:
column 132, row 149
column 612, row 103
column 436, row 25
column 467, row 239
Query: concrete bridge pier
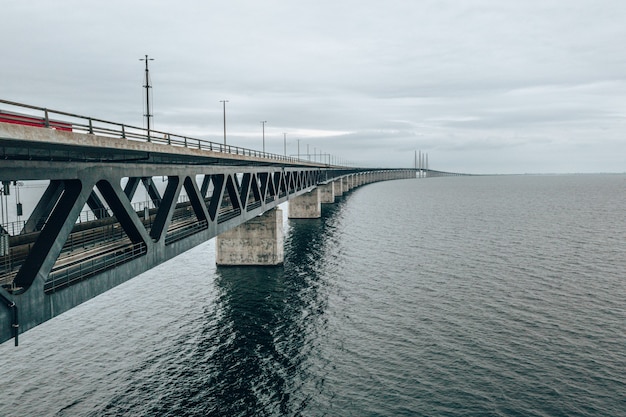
column 327, row 193
column 338, row 187
column 306, row 206
column 257, row 242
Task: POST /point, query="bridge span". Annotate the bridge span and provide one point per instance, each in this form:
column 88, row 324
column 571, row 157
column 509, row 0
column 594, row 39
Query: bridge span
column 88, row 232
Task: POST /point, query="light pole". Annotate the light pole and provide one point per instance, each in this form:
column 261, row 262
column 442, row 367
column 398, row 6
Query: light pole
column 224, row 102
column 298, row 149
column 285, row 143
column 263, row 123
column 147, row 87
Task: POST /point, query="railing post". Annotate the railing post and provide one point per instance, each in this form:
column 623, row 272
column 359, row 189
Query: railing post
column 123, row 132
column 90, row 126
column 46, row 120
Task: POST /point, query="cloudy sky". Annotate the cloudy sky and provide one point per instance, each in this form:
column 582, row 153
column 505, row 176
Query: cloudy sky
column 482, row 86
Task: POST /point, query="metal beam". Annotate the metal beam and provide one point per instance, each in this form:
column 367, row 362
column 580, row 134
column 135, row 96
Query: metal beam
column 166, row 209
column 123, row 211
column 96, row 206
column 152, row 191
column 47, row 247
column 44, row 207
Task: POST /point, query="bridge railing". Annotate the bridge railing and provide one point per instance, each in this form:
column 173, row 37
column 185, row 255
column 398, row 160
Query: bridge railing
column 24, row 114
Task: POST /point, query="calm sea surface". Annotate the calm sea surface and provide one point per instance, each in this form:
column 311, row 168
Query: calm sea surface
column 465, row 296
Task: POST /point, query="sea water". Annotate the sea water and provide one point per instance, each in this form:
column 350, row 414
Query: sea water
column 457, row 296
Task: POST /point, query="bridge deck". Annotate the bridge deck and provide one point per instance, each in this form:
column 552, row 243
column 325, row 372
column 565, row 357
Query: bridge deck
column 44, row 133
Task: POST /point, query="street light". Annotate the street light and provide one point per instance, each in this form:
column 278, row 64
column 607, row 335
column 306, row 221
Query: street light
column 224, row 102
column 285, row 143
column 263, row 123
column 147, row 87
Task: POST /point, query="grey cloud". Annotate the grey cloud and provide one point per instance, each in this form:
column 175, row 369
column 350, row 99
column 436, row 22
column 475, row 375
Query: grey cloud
column 482, row 85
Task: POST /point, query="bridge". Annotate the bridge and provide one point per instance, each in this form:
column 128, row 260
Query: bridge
column 118, row 200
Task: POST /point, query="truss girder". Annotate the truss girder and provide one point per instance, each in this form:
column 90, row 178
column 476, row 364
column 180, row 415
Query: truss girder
column 206, row 182
column 55, row 232
column 254, row 190
column 216, row 198
column 196, row 200
column 246, row 184
column 127, row 242
column 124, row 213
column 166, row 208
column 233, row 191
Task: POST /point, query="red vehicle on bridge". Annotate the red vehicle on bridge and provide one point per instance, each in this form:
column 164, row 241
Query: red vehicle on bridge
column 28, row 120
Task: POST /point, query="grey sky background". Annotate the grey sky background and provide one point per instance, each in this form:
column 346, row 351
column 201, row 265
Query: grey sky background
column 482, row 86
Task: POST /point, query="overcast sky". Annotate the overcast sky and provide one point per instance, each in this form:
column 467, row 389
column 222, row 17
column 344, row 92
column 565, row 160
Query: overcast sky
column 482, row 86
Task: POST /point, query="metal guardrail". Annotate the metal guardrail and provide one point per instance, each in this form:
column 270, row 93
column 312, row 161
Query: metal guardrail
column 185, row 230
column 15, row 228
column 45, row 117
column 93, row 266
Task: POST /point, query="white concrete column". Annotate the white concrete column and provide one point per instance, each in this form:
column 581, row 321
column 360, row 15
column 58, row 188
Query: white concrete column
column 306, row 206
column 327, row 193
column 338, row 187
column 345, row 185
column 257, row 242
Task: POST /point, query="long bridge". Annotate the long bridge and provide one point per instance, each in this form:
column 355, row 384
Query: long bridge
column 91, row 230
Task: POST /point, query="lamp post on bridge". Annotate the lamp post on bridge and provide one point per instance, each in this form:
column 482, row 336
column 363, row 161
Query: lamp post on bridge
column 285, row 143
column 263, row 124
column 224, row 102
column 147, row 86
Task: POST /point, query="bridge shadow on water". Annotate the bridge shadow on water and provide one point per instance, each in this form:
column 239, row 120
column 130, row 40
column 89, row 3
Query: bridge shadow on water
column 256, row 354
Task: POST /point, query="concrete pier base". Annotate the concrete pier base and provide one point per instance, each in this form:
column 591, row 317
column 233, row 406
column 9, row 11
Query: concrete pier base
column 338, row 187
column 327, row 193
column 257, row 242
column 306, row 206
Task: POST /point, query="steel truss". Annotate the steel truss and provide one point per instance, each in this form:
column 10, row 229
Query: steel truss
column 62, row 257
column 58, row 260
column 53, row 251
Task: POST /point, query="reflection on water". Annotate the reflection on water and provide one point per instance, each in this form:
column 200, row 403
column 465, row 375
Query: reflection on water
column 259, row 348
column 257, row 336
column 481, row 296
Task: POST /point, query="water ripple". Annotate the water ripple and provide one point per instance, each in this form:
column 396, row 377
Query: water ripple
column 498, row 296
